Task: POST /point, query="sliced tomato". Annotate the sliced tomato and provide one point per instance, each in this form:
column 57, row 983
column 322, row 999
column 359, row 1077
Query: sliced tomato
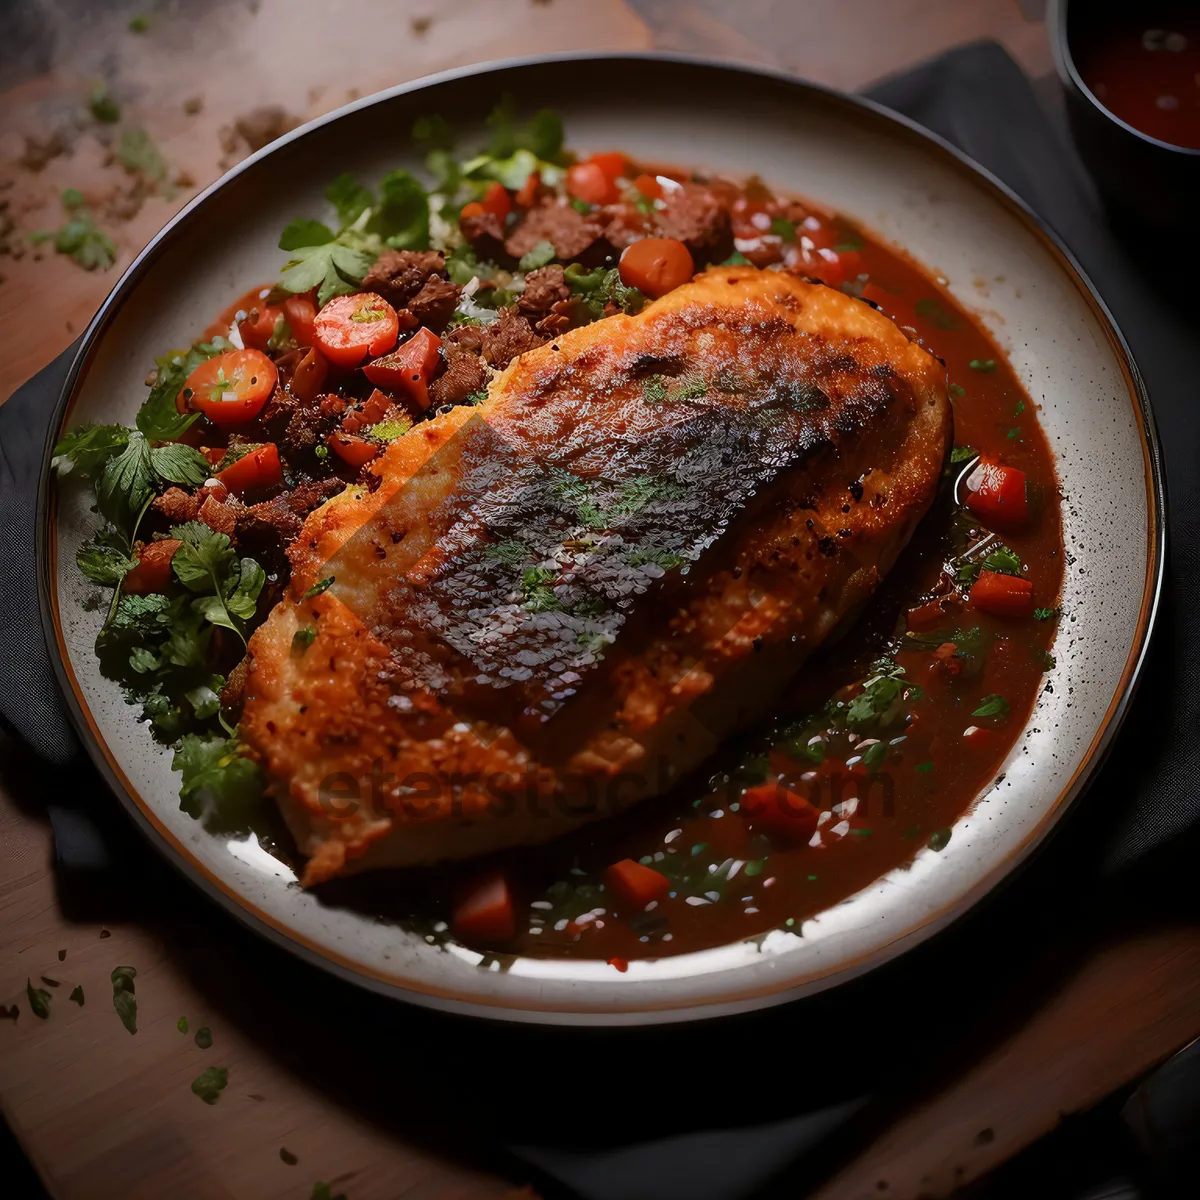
column 231, row 388
column 301, row 314
column 485, row 915
column 153, row 570
column 497, row 200
column 635, row 883
column 259, row 325
column 473, row 209
column 256, row 471
column 779, row 811
column 255, row 297
column 998, row 495
column 351, row 328
column 587, row 181
column 1002, row 595
column 649, row 186
column 409, row 369
column 352, row 449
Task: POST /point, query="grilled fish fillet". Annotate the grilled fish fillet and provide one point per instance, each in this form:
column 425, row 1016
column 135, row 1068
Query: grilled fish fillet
column 552, row 605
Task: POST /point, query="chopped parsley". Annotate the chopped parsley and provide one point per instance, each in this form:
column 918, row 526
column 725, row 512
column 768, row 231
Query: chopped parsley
column 992, row 706
column 286, row 1156
column 962, row 453
column 535, row 588
column 217, row 782
column 303, row 638
column 935, row 311
column 653, row 555
column 388, row 431
column 79, row 237
column 182, row 1025
column 102, row 106
column 957, row 390
column 226, row 587
column 204, row 1038
column 124, row 1000
column 1045, row 614
column 985, row 365
column 159, row 418
column 1019, row 409
column 924, row 767
column 600, row 287
column 210, row 1083
column 939, row 840
column 736, row 259
column 318, row 588
column 77, row 994
column 540, row 256
column 783, row 229
column 39, row 1000
column 136, row 151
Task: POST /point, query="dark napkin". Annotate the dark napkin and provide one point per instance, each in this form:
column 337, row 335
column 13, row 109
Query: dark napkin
column 793, row 1085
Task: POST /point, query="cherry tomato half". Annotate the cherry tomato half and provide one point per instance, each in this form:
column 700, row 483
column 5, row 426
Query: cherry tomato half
column 587, row 181
column 613, row 164
column 349, row 328
column 497, row 200
column 410, row 368
column 649, row 186
column 301, row 314
column 656, row 265
column 259, row 325
column 231, row 388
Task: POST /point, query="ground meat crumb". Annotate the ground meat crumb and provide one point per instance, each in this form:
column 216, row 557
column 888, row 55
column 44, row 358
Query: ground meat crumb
column 485, row 232
column 435, row 303
column 508, row 337
column 465, row 375
column 177, row 506
column 572, row 234
column 398, row 275
column 698, row 219
column 544, row 288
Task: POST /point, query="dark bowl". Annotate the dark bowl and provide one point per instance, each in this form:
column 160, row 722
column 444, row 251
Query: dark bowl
column 1142, row 179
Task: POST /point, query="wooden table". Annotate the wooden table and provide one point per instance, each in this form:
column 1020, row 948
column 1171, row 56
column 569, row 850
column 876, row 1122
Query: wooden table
column 101, row 1113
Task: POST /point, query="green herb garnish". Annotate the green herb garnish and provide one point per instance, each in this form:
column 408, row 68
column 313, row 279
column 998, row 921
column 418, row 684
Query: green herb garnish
column 962, row 453
column 124, row 1000
column 204, row 1038
column 39, row 1000
column 210, row 1083
column 934, row 311
column 992, row 706
column 319, row 587
column 984, row 365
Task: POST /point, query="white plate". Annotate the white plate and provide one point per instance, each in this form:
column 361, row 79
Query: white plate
column 885, row 174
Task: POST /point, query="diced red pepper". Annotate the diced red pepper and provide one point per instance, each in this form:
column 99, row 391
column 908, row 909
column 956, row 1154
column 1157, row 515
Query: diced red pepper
column 254, row 472
column 352, row 449
column 485, row 915
column 301, row 315
column 621, row 964
column 410, row 368
column 153, row 570
column 372, row 412
column 780, row 812
column 496, row 200
column 1002, row 595
column 473, row 209
column 527, row 194
column 636, row 884
column 259, row 325
column 649, row 186
column 611, row 162
column 997, row 494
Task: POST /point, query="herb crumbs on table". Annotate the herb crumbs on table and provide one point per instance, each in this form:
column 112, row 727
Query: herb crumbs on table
column 77, row 994
column 124, row 1000
column 210, row 1083
column 182, row 1025
column 9, row 1014
column 287, row 1156
column 39, row 1000
column 204, row 1038
column 62, row 954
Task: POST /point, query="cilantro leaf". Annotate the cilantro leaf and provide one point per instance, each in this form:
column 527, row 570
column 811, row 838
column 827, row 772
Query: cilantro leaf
column 433, row 133
column 511, row 170
column 1045, row 614
column 216, row 782
column 992, row 706
column 349, row 197
column 227, row 588
column 985, row 365
column 87, row 447
column 159, row 418
column 77, row 994
column 103, row 107
column 600, row 287
column 1002, row 561
column 210, row 1083
column 204, row 1038
column 962, row 453
column 80, row 238
column 103, row 561
column 333, row 269
column 177, row 463
column 126, row 483
column 402, row 216
column 736, row 259
column 304, row 232
column 541, row 255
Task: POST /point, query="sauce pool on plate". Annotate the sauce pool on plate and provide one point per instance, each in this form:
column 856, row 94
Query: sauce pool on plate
column 1148, row 75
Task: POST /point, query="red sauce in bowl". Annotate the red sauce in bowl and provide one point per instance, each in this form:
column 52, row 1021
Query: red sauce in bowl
column 1148, row 75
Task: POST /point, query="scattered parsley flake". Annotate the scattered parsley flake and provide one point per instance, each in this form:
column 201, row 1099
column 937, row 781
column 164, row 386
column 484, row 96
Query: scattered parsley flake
column 957, row 390
column 136, row 151
column 210, row 1083
column 103, row 107
column 736, row 259
column 182, row 1025
column 924, row 767
column 124, row 1000
column 286, row 1156
column 939, row 840
column 962, row 453
column 319, row 587
column 77, row 994
column 1045, row 614
column 540, row 256
column 39, row 1000
column 204, row 1038
column 985, row 365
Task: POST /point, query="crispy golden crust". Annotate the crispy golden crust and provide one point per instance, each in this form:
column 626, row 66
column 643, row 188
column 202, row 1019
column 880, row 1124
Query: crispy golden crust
column 556, row 603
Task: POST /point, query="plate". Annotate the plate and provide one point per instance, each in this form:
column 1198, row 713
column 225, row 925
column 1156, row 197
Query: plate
column 883, row 172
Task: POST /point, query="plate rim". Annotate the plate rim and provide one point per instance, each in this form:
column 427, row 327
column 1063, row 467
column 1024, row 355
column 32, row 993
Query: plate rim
column 453, row 1001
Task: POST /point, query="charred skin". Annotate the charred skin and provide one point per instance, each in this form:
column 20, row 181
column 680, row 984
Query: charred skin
column 557, row 603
